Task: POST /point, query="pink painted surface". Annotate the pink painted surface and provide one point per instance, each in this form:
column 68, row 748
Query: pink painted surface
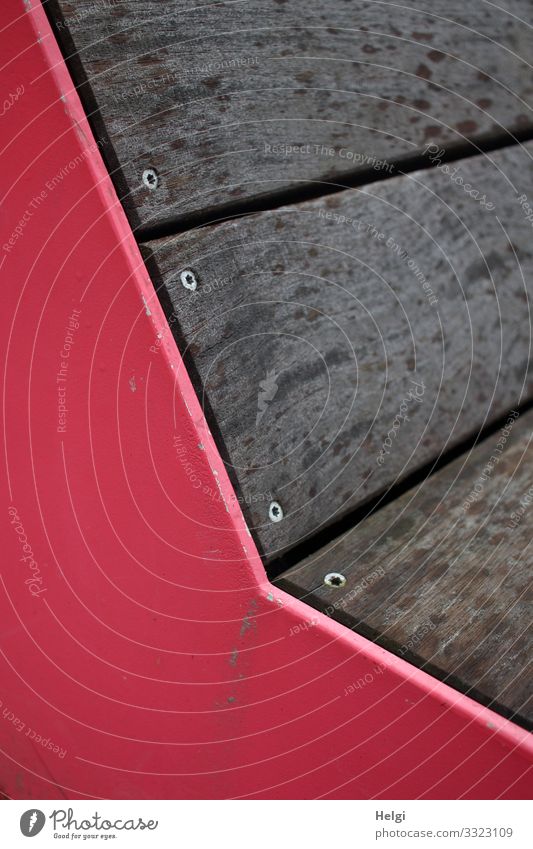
column 143, row 653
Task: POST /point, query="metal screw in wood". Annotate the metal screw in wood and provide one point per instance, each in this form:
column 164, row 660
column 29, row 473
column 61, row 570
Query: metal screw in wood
column 188, row 279
column 275, row 512
column 334, row 579
column 150, row 179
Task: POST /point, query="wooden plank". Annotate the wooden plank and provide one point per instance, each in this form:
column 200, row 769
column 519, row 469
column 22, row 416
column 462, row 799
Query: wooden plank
column 442, row 575
column 233, row 101
column 343, row 343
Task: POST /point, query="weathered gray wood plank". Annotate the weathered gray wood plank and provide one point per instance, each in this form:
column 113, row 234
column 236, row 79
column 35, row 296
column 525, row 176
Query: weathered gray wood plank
column 442, row 575
column 241, row 99
column 343, row 343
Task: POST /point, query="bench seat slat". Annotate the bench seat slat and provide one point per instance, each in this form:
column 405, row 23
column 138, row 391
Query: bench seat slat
column 442, row 575
column 239, row 101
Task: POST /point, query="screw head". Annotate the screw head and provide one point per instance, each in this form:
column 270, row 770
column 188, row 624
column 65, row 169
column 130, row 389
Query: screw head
column 150, row 178
column 334, row 579
column 275, row 512
column 188, row 279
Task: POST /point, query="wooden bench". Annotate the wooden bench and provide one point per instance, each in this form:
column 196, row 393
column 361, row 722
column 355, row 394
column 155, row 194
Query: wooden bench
column 355, row 303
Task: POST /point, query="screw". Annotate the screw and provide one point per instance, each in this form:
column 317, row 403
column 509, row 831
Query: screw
column 275, row 512
column 334, row 579
column 188, row 279
column 150, row 178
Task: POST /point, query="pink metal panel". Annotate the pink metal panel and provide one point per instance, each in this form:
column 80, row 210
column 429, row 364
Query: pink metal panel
column 143, row 652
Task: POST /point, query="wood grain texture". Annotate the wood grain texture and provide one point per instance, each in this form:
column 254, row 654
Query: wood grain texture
column 442, row 575
column 215, row 96
column 331, row 370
